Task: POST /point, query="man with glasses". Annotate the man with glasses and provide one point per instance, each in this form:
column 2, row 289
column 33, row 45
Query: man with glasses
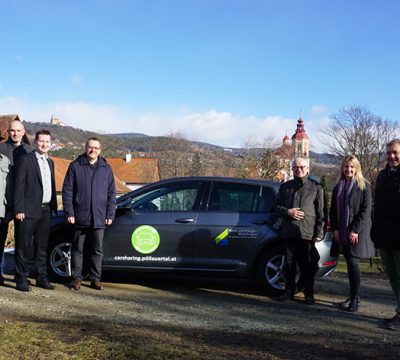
column 300, row 201
column 386, row 227
column 89, row 204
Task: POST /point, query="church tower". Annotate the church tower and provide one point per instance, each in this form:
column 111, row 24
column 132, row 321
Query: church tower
column 300, row 141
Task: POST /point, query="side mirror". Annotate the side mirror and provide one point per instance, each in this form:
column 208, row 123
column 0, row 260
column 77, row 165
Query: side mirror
column 123, row 210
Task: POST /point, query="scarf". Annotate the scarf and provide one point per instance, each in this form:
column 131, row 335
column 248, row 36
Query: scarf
column 343, row 206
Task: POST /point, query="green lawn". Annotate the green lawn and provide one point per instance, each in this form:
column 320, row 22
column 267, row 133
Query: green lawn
column 367, row 266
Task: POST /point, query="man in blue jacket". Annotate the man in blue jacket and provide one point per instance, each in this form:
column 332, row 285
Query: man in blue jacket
column 89, row 203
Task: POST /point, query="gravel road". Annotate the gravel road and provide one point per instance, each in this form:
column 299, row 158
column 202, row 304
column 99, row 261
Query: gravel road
column 236, row 309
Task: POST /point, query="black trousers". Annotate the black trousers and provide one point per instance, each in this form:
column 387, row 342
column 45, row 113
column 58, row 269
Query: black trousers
column 95, row 237
column 32, row 237
column 304, row 254
column 353, row 271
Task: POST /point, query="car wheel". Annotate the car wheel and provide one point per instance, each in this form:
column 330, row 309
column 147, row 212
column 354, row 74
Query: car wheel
column 59, row 256
column 271, row 271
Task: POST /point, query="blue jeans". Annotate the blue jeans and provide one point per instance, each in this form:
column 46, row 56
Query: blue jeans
column 391, row 259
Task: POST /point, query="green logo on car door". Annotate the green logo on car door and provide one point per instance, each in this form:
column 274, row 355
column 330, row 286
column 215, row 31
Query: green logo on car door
column 145, row 239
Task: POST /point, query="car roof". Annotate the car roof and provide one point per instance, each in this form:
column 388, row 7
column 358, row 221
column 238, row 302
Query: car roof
column 258, row 182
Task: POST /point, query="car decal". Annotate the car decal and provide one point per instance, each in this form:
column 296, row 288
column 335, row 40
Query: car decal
column 145, row 239
column 222, row 238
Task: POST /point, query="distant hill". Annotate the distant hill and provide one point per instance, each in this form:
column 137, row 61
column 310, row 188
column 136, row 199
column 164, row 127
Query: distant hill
column 212, row 159
column 129, row 135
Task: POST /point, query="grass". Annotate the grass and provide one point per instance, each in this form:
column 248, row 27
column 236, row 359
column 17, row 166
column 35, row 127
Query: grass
column 43, row 339
column 372, row 265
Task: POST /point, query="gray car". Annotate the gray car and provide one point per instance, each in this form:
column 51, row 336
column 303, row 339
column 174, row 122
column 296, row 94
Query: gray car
column 206, row 225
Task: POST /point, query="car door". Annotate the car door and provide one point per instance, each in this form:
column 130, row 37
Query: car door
column 154, row 228
column 229, row 231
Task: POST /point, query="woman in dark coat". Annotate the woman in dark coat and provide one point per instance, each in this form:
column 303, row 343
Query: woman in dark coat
column 350, row 217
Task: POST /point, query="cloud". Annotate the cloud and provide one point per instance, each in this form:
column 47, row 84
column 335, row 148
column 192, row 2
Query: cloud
column 319, row 109
column 76, row 79
column 212, row 126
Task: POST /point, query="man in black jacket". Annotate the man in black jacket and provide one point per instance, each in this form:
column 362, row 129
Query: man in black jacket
column 89, row 203
column 34, row 199
column 301, row 202
column 386, row 226
column 16, row 145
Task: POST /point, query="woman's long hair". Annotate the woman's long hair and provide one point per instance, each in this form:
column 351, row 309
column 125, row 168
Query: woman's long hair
column 358, row 176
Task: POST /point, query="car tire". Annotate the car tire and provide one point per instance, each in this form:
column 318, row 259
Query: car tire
column 59, row 256
column 271, row 271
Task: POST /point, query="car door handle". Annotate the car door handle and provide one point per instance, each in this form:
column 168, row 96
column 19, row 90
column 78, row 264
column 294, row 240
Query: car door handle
column 259, row 222
column 184, row 220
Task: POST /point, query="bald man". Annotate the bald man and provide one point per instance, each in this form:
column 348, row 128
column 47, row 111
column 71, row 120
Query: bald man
column 16, row 145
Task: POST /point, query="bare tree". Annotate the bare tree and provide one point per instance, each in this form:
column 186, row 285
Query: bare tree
column 174, row 155
column 355, row 130
column 260, row 161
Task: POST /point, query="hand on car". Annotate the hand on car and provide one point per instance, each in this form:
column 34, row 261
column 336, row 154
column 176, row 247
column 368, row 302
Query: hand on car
column 296, row 213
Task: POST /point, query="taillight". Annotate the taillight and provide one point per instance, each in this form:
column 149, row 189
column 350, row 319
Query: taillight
column 328, row 225
column 329, row 263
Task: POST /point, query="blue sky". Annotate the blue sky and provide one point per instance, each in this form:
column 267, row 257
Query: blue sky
column 220, row 71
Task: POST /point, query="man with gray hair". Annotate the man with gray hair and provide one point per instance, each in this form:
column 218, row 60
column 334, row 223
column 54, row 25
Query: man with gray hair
column 386, row 226
column 301, row 201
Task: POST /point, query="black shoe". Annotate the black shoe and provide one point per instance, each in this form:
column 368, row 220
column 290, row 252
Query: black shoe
column 354, row 304
column 393, row 323
column 1, row 280
column 45, row 284
column 287, row 295
column 22, row 285
column 309, row 300
column 345, row 304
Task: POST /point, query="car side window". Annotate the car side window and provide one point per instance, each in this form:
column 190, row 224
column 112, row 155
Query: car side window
column 233, row 197
column 167, row 198
column 267, row 200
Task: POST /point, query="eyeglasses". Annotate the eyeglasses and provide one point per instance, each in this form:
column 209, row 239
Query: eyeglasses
column 299, row 167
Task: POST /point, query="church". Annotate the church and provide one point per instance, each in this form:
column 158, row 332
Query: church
column 297, row 146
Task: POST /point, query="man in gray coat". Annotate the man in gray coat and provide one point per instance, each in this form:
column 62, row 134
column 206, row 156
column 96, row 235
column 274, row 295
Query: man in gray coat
column 300, row 201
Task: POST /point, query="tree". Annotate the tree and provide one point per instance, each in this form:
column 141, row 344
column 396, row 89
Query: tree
column 260, row 161
column 196, row 167
column 355, row 130
column 174, row 155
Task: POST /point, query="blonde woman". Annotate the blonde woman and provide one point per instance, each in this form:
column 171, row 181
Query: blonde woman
column 350, row 216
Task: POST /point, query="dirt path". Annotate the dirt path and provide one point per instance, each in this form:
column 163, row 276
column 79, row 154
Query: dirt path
column 223, row 312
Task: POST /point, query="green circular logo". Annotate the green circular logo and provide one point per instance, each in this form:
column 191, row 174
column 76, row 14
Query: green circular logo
column 145, row 239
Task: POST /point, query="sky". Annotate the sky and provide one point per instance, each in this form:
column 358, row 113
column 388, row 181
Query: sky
column 227, row 72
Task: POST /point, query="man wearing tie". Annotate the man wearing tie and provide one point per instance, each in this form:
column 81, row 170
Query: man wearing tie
column 34, row 199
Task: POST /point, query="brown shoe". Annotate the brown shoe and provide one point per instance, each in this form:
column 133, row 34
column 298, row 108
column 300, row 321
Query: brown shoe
column 75, row 284
column 96, row 284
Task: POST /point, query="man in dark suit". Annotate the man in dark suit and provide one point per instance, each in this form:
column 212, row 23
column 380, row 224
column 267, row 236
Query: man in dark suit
column 34, row 199
column 16, row 145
